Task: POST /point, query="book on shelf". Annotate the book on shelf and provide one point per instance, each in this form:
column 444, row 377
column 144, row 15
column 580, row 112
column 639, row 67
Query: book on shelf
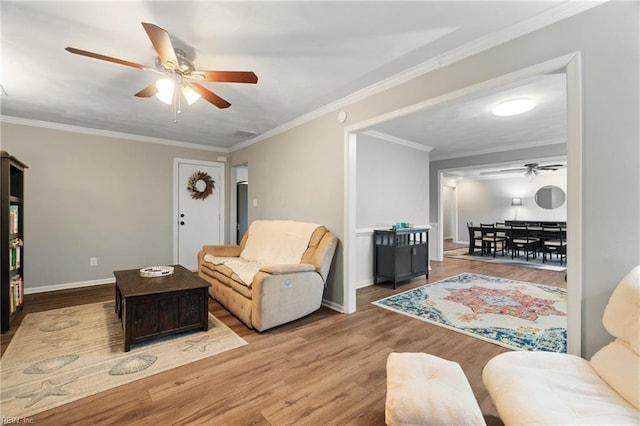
column 14, row 253
column 16, row 293
column 13, row 219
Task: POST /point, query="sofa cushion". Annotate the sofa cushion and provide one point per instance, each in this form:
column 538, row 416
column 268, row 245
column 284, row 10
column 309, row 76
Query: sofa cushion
column 552, row 388
column 621, row 316
column 619, row 366
column 277, row 241
column 243, row 269
column 423, row 389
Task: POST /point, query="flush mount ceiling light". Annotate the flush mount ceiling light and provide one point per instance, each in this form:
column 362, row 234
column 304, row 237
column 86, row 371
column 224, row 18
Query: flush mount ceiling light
column 513, row 107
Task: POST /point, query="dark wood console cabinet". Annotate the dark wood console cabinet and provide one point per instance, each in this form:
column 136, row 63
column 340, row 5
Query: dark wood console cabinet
column 400, row 254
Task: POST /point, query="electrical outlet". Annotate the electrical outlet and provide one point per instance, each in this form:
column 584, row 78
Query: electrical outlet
column 93, row 261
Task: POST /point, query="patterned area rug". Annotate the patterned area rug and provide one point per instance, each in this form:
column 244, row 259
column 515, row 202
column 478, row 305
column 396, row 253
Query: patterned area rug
column 509, row 313
column 66, row 354
column 550, row 265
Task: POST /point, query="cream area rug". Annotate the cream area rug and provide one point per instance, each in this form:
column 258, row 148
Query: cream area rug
column 66, row 354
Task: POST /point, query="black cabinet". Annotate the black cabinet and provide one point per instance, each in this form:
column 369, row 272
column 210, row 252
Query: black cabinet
column 11, row 238
column 400, row 254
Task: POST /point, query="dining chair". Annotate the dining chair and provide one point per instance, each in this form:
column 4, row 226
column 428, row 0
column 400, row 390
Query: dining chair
column 491, row 237
column 553, row 241
column 475, row 237
column 522, row 238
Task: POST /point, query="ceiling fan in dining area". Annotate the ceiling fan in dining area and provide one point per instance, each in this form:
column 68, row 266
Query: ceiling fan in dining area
column 178, row 74
column 528, row 170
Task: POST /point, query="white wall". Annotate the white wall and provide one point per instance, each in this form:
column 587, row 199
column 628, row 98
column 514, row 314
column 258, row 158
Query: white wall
column 391, row 182
column 448, row 211
column 391, row 186
column 489, row 201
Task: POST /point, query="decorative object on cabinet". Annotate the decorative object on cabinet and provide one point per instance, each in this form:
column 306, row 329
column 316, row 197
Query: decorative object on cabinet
column 400, row 254
column 11, row 238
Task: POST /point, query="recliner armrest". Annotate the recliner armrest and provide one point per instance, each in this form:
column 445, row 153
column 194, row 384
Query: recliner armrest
column 288, row 268
column 222, row 250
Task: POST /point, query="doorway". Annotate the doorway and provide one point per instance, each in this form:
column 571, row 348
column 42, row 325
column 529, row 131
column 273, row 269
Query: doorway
column 242, row 209
column 449, row 216
column 570, row 64
column 198, row 208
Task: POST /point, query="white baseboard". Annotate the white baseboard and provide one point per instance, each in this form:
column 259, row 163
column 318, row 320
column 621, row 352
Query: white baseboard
column 67, row 286
column 365, row 283
column 333, row 305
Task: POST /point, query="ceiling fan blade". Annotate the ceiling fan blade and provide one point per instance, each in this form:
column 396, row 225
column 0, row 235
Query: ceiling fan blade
column 228, row 76
column 497, row 172
column 162, row 43
column 210, row 96
column 148, row 91
column 550, row 167
column 105, row 58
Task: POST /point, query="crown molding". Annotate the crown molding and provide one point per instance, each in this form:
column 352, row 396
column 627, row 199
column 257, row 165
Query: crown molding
column 514, row 147
column 107, row 133
column 551, row 16
column 394, row 139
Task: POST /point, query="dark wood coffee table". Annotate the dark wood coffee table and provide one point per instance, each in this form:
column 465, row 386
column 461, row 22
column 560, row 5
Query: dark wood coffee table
column 154, row 307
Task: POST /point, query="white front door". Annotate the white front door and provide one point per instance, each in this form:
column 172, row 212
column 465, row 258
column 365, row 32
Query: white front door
column 199, row 216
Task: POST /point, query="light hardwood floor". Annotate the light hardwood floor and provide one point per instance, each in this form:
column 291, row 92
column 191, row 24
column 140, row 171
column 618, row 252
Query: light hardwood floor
column 327, row 368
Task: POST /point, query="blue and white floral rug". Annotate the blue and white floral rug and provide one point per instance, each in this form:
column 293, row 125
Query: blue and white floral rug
column 513, row 314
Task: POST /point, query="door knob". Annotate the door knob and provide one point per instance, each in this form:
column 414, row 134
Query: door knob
column 182, row 222
column 181, row 214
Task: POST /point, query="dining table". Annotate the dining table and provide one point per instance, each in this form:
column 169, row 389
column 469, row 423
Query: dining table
column 532, row 231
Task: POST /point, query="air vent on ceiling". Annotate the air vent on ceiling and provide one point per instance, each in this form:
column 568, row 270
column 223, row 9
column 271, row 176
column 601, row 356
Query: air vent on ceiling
column 244, row 134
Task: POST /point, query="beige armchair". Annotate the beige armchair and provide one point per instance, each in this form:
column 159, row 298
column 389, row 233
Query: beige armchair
column 275, row 275
column 552, row 388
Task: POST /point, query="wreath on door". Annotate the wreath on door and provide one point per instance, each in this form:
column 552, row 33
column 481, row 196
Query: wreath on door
column 200, row 180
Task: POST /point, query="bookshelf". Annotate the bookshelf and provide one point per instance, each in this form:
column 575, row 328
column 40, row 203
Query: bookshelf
column 11, row 238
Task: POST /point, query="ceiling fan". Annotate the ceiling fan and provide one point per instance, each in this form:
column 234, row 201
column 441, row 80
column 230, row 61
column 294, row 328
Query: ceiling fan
column 178, row 73
column 530, row 169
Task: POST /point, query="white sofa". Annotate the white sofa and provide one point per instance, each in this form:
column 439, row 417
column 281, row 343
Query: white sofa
column 551, row 388
column 275, row 275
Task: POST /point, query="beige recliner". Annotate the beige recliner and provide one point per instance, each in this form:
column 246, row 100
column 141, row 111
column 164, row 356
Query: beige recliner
column 552, row 388
column 276, row 275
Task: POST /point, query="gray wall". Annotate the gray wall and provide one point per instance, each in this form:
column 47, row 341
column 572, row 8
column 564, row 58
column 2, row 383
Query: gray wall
column 300, row 172
column 298, row 175
column 391, row 183
column 94, row 196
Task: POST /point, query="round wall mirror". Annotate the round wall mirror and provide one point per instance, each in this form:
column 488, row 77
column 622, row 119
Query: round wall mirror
column 550, row 197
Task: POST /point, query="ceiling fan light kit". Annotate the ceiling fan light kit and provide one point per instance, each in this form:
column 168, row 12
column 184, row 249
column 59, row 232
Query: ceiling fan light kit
column 513, row 107
column 165, row 88
column 177, row 71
